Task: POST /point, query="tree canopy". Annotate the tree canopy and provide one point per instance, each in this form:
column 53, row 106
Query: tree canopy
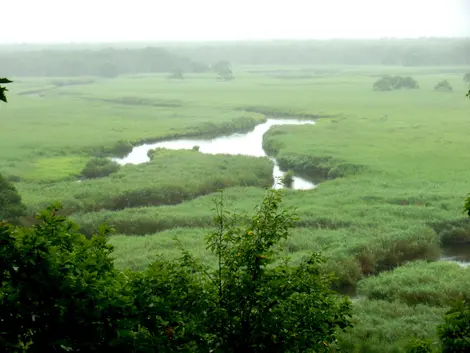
column 3, row 89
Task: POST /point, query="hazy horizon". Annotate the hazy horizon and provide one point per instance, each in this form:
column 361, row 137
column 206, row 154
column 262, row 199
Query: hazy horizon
column 55, row 21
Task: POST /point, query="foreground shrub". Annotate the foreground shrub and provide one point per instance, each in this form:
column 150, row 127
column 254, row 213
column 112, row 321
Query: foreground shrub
column 61, row 292
column 11, row 205
column 455, row 331
column 99, row 167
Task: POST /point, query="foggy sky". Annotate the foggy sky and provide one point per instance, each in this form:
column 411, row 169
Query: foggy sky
column 35, row 21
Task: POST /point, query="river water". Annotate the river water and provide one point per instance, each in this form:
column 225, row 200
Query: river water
column 248, row 144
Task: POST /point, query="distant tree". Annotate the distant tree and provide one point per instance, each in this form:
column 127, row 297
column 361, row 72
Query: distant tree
column 3, row 89
column 388, row 83
column 177, row 74
column 466, row 78
column 406, row 82
column 443, row 86
column 383, row 84
column 223, row 69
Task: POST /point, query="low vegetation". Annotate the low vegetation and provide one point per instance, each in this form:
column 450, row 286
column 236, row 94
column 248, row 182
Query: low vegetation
column 99, row 167
column 167, row 179
column 248, row 303
column 437, row 284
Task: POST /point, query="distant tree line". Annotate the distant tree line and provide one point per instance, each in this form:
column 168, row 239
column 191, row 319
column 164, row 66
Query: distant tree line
column 400, row 52
column 104, row 62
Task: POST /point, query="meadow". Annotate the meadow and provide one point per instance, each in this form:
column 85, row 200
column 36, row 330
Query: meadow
column 391, row 167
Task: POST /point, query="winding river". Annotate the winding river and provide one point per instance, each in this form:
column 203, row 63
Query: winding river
column 248, row 144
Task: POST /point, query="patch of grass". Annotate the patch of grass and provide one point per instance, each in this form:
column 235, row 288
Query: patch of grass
column 437, row 284
column 384, row 327
column 453, row 231
column 49, row 169
column 170, row 178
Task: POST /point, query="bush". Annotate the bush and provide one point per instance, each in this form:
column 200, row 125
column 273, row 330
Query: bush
column 419, row 346
column 177, row 74
column 14, row 178
column 120, row 149
column 61, row 292
column 99, row 167
column 288, row 179
column 11, row 205
column 196, row 148
column 389, row 83
column 454, row 333
column 443, row 86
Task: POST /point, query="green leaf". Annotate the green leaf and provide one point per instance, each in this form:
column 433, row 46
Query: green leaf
column 3, row 97
column 5, row 80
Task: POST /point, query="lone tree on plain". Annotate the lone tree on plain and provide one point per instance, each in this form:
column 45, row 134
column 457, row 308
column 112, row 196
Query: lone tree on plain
column 177, row 74
column 443, row 86
column 223, row 68
column 466, row 78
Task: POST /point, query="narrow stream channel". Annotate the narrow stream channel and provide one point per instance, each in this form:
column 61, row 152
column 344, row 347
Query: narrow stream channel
column 458, row 254
column 248, row 144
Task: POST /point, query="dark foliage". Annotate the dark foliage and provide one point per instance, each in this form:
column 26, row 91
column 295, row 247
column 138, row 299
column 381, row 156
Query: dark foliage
column 60, row 292
column 3, row 89
column 389, row 83
column 11, row 206
column 99, row 167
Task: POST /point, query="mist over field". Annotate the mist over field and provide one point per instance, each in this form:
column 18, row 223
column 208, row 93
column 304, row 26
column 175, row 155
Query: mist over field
column 143, row 122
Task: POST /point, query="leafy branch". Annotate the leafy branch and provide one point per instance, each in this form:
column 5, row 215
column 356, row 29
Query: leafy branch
column 3, row 89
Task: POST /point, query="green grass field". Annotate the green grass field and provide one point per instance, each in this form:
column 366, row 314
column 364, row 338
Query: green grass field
column 391, row 189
